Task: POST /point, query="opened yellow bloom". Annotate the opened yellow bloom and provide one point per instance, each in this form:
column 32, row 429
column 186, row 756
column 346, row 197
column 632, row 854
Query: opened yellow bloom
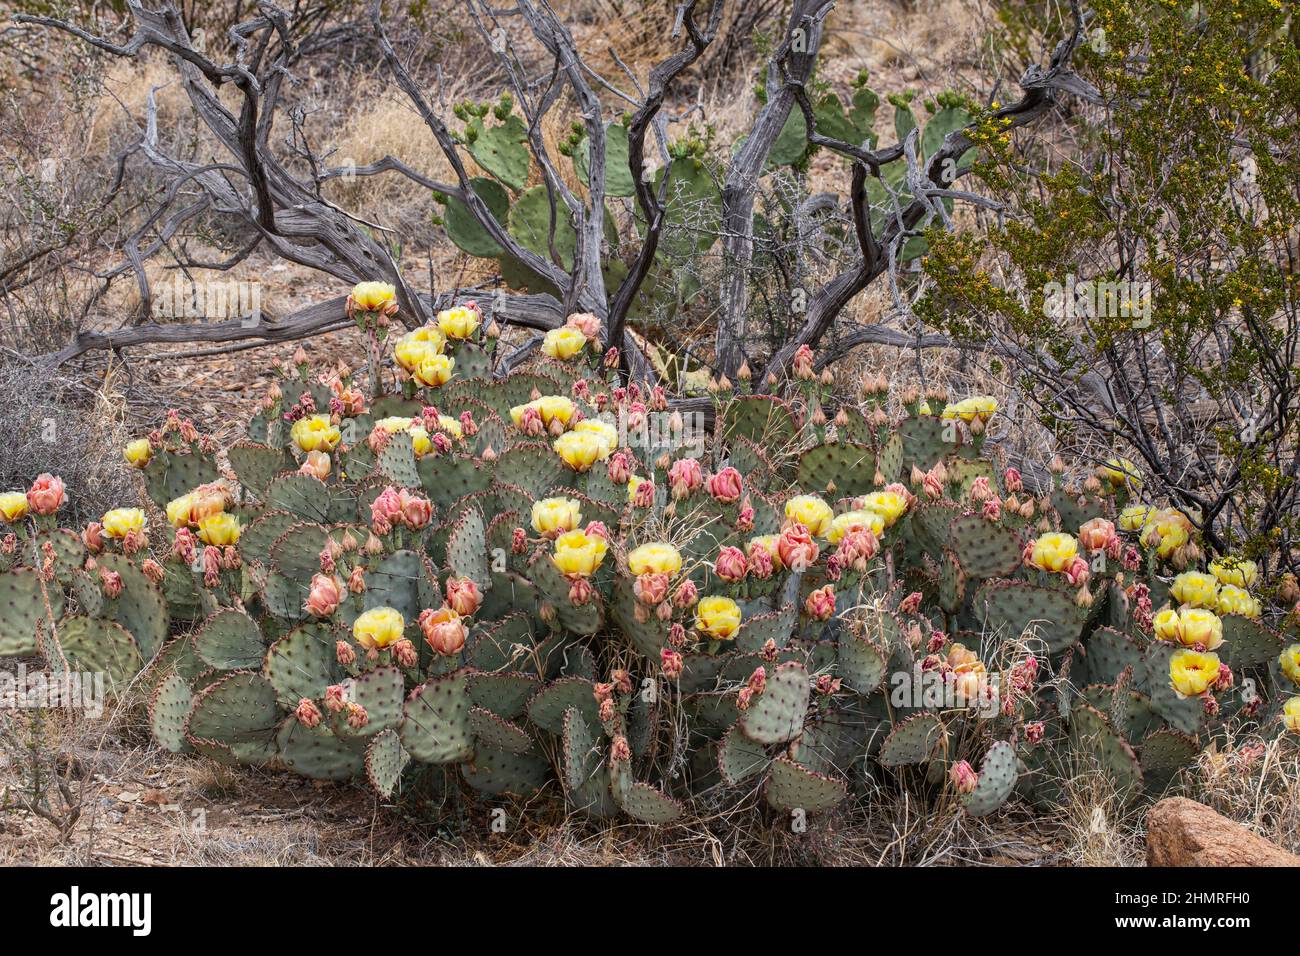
column 378, row 628
column 13, row 505
column 633, row 483
column 137, row 453
column 863, row 518
column 718, row 617
column 373, row 296
column 1199, row 626
column 604, row 431
column 315, row 433
column 458, row 323
column 554, row 516
column 451, row 426
column 1235, row 600
column 658, row 557
column 421, row 444
column 394, row 424
column 1121, row 471
column 564, row 342
column 577, row 552
column 1135, row 517
column 890, row 505
column 980, row 407
column 1167, row 531
column 120, row 522
column 1054, row 551
column 414, row 347
column 178, row 510
column 1236, row 571
column 768, row 543
column 580, row 450
column 1168, row 626
column 1192, row 673
column 1196, row 589
column 811, row 512
column 1289, row 660
column 550, row 407
column 434, row 370
column 219, row 529
column 1291, row 715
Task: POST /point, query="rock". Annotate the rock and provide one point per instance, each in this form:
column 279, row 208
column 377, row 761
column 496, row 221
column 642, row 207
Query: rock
column 1182, row 832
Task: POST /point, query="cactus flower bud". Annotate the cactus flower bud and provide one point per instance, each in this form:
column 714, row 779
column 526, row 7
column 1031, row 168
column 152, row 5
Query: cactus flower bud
column 820, row 605
column 963, row 777
column 308, row 713
column 405, row 654
column 345, row 653
column 153, row 570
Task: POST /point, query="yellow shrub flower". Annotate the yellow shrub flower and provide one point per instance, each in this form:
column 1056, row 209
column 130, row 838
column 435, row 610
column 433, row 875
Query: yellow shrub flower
column 219, row 529
column 854, row 520
column 603, row 430
column 1195, row 588
column 378, row 627
column 138, row 453
column 1192, row 673
column 434, row 370
column 554, row 516
column 657, row 557
column 414, row 347
column 718, row 617
column 811, row 512
column 458, row 323
column 1121, row 471
column 577, row 552
column 178, row 510
column 1290, row 663
column 550, row 407
column 564, row 342
column 1235, row 571
column 373, row 296
column 120, row 522
column 580, row 450
column 13, row 505
column 315, row 433
column 1054, row 551
column 890, row 505
column 1291, row 715
column 1235, row 600
column 1135, row 517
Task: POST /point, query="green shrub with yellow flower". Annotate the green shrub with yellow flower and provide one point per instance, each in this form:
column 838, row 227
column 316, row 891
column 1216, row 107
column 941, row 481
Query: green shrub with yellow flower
column 549, row 579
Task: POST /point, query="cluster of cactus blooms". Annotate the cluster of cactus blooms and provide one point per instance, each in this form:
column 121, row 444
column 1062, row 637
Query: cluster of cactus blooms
column 515, row 576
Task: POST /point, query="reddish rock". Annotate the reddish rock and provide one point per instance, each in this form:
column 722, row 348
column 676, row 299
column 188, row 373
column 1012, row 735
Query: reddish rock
column 1182, row 832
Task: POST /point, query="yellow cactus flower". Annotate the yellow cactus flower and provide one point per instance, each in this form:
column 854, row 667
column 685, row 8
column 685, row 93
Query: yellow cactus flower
column 13, row 506
column 1054, row 551
column 980, row 407
column 1199, row 626
column 718, row 617
column 421, row 443
column 394, row 424
column 120, row 522
column 1120, row 472
column 373, row 296
column 564, row 342
column 1235, row 600
column 451, row 426
column 924, row 409
column 1196, row 589
column 220, row 529
column 580, row 450
column 1235, row 571
column 378, row 628
column 633, row 483
column 1291, row 715
column 414, row 347
column 1192, row 673
column 1167, row 531
column 657, row 557
column 554, row 516
column 854, row 521
column 178, row 510
column 1168, row 626
column 1135, row 517
column 811, row 512
column 890, row 505
column 1289, row 660
column 577, row 552
column 768, row 543
column 603, row 430
column 434, row 370
column 138, row 453
column 458, row 323
column 315, row 433
column 552, row 407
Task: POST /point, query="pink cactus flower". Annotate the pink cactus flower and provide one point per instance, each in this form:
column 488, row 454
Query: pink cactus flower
column 685, row 477
column 1011, row 481
column 820, row 605
column 731, row 565
column 345, row 653
column 46, row 496
column 464, row 596
column 670, row 662
column 686, row 594
column 651, row 589
column 963, row 777
column 444, row 631
column 796, row 547
column 324, row 596
column 308, row 713
column 726, row 486
column 153, row 570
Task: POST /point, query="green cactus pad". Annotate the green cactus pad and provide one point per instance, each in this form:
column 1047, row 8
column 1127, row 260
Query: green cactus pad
column 22, row 607
column 1248, row 643
column 546, row 708
column 168, row 708
column 1091, row 732
column 793, row 787
column 932, row 523
column 997, row 779
column 912, row 741
column 141, row 607
column 385, row 761
column 1164, row 753
column 317, row 754
column 889, row 458
column 170, row 475
column 303, row 663
column 581, row 755
column 467, row 548
column 446, row 478
column 925, row 442
column 985, row 549
column 777, row 714
column 499, row 771
column 1107, row 653
column 435, row 728
column 238, row 715
column 464, row 230
column 95, row 645
column 493, row 732
column 503, row 151
column 1185, row 714
column 778, row 626
column 533, row 466
column 381, row 692
column 69, row 552
column 952, row 582
column 548, row 580
column 618, row 177
column 395, row 583
column 501, row 644
column 1014, row 607
column 256, row 539
column 303, row 495
column 229, row 640
column 1076, row 510
column 505, row 695
column 648, row 804
column 762, row 419
column 861, row 664
column 256, row 466
column 843, row 469
column 740, row 758
column 396, row 462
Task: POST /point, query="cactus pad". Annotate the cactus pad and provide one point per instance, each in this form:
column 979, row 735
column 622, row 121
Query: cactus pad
column 912, row 741
column 777, row 714
column 229, row 640
column 168, row 708
column 739, row 758
column 385, row 761
column 435, row 727
column 997, row 778
column 794, row 787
